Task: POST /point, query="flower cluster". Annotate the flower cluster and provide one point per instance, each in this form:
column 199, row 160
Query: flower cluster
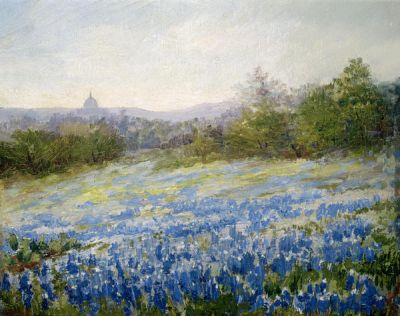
column 227, row 250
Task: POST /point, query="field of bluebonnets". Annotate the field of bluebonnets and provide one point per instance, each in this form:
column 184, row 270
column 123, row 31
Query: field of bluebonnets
column 245, row 237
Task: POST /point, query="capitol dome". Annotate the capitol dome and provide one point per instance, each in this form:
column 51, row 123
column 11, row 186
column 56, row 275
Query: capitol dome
column 90, row 103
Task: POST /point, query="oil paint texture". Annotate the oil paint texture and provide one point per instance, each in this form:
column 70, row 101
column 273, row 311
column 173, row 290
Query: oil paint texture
column 199, row 158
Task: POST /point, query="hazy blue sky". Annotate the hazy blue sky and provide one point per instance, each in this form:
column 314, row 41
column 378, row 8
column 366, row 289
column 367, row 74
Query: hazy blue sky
column 171, row 54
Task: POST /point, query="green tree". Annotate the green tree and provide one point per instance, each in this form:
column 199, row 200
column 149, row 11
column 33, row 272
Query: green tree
column 7, row 162
column 348, row 112
column 262, row 131
column 362, row 104
column 202, row 146
column 320, row 121
column 391, row 94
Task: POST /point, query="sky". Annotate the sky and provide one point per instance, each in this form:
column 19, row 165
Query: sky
column 171, row 54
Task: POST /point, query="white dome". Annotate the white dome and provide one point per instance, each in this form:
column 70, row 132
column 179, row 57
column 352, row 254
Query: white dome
column 90, row 103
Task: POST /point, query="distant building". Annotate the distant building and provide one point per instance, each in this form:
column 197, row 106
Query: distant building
column 90, row 103
column 91, row 109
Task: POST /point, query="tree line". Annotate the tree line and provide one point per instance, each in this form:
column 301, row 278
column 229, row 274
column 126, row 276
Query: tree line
column 350, row 112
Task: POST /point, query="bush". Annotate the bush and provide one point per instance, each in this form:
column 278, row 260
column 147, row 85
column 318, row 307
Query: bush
column 41, row 152
column 202, row 146
column 263, row 131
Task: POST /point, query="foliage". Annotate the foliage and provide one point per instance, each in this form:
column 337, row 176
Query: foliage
column 298, row 278
column 391, row 94
column 272, row 284
column 362, row 103
column 202, row 146
column 40, row 152
column 348, row 112
column 29, row 252
column 223, row 305
column 263, row 131
column 385, row 269
column 320, row 121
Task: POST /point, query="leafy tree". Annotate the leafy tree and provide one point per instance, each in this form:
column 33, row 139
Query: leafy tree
column 6, row 157
column 391, row 94
column 361, row 102
column 349, row 112
column 320, row 123
column 202, row 146
column 263, row 131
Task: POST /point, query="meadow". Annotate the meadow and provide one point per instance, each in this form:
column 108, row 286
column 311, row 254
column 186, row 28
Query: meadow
column 249, row 236
column 199, row 158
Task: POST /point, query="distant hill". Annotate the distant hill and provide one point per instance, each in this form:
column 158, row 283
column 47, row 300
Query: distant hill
column 40, row 114
column 204, row 110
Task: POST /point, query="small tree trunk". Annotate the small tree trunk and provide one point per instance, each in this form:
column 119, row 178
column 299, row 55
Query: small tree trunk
column 94, row 157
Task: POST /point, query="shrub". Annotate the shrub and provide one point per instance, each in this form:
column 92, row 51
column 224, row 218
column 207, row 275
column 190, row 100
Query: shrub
column 41, row 152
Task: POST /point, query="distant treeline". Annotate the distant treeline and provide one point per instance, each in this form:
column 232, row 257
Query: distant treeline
column 350, row 112
column 41, row 152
